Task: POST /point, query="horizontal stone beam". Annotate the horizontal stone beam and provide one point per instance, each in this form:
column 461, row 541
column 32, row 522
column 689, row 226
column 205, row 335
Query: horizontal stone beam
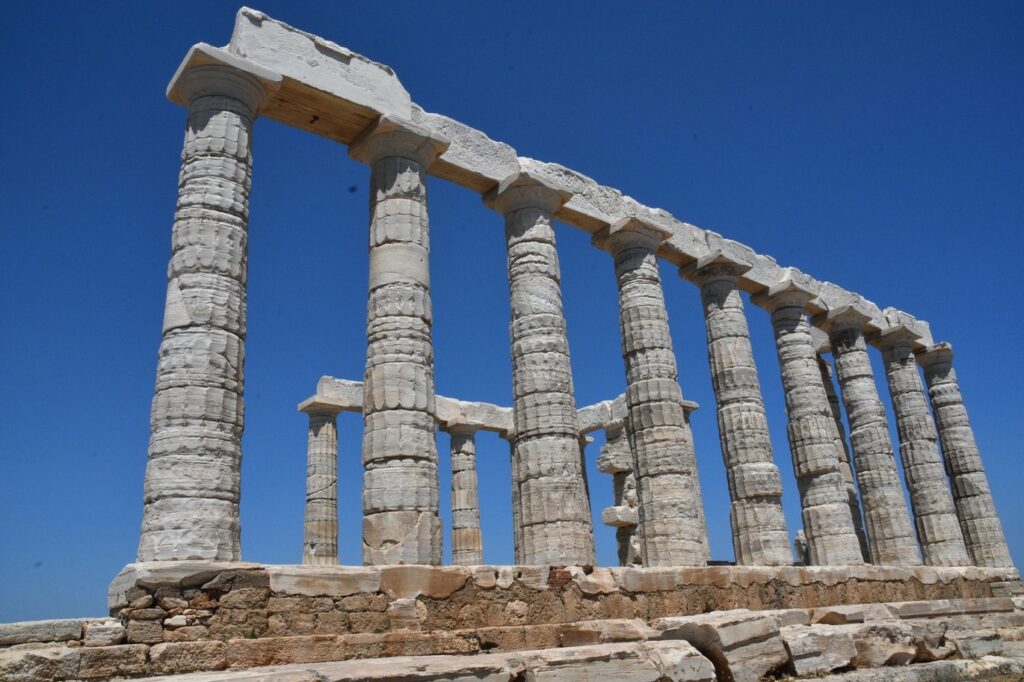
column 342, row 395
column 324, row 88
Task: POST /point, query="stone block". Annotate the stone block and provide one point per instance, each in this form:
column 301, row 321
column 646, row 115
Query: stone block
column 187, row 657
column 974, row 643
column 817, row 649
column 104, row 633
column 605, row 631
column 40, row 631
column 56, row 662
column 145, row 631
column 742, row 645
column 251, row 653
column 882, row 643
column 644, row 662
column 849, row 613
column 113, row 661
column 429, row 581
column 320, row 581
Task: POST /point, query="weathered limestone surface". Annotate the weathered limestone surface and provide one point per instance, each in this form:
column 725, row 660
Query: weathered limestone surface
column 938, row 531
column 755, row 485
column 982, row 530
column 672, row 530
column 890, row 533
column 554, row 520
column 616, row 458
column 192, row 478
column 320, row 528
column 400, row 485
column 741, row 644
column 843, row 452
column 817, row 650
column 827, row 522
column 467, row 541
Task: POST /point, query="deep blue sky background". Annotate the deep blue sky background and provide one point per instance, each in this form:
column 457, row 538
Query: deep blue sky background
column 877, row 145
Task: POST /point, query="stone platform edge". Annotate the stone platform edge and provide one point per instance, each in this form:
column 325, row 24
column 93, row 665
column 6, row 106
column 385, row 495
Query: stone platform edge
column 440, row 582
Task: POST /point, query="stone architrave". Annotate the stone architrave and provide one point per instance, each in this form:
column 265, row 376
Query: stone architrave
column 938, row 531
column 467, row 542
column 192, row 477
column 982, row 530
column 755, row 485
column 320, row 527
column 890, row 533
column 671, row 517
column 400, row 485
column 555, row 526
column 843, row 454
column 829, row 533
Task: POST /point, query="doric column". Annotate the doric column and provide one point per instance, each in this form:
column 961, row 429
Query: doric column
column 320, row 528
column 192, row 477
column 938, row 531
column 467, row 542
column 671, row 518
column 517, row 506
column 755, row 486
column 400, row 486
column 890, row 533
column 829, row 534
column 843, row 453
column 556, row 528
column 616, row 458
column 982, row 530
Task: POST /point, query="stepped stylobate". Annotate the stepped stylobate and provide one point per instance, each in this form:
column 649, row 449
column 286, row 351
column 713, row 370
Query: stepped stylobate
column 192, row 479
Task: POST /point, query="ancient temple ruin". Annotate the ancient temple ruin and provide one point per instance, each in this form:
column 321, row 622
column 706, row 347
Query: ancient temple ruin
column 190, row 603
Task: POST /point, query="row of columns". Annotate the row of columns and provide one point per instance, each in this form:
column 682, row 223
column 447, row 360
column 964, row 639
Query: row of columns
column 192, row 479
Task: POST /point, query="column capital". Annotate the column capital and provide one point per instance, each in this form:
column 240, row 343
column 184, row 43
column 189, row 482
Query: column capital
column 319, row 405
column 714, row 265
column 209, row 71
column 526, row 189
column 940, row 353
column 391, row 135
column 630, row 232
column 786, row 293
column 899, row 335
column 461, row 428
column 844, row 317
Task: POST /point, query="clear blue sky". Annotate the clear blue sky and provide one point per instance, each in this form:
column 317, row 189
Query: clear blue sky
column 877, row 145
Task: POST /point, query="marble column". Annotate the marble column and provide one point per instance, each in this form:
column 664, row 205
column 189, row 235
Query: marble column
column 400, row 484
column 890, row 533
column 467, row 542
column 843, row 453
column 556, row 528
column 671, row 519
column 829, row 534
column 938, row 531
column 755, row 485
column 320, row 527
column 517, row 506
column 192, row 476
column 616, row 459
column 982, row 530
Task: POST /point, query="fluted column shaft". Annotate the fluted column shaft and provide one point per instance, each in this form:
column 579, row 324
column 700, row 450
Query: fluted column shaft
column 975, row 508
column 671, row 515
column 829, row 532
column 555, row 524
column 320, row 527
column 617, row 459
column 517, row 507
column 400, row 483
column 843, row 455
column 890, row 533
column 467, row 542
column 755, row 485
column 938, row 531
column 192, row 477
